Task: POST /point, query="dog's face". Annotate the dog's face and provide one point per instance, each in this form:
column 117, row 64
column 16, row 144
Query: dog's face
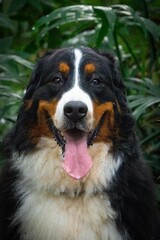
column 74, row 97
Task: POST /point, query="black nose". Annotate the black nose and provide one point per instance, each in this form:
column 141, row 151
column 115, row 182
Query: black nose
column 75, row 110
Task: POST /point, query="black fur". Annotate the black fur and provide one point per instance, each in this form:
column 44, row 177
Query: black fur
column 131, row 192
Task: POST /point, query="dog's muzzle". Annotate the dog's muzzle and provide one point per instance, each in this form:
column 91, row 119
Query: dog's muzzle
column 75, row 142
column 75, row 110
column 75, row 116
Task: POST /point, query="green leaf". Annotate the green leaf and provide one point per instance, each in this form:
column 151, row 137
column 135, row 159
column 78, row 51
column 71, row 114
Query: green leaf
column 5, row 43
column 16, row 5
column 142, row 104
column 150, row 137
column 109, row 14
column 107, row 18
column 8, row 80
column 102, row 33
column 36, row 4
column 150, row 26
column 66, row 14
column 17, row 59
column 11, row 95
column 143, row 86
column 5, row 22
column 72, row 14
column 8, row 107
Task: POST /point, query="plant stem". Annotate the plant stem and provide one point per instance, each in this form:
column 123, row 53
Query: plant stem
column 153, row 56
column 132, row 53
column 118, row 52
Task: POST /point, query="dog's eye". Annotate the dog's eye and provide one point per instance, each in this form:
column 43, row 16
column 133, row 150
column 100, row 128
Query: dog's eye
column 57, row 81
column 96, row 82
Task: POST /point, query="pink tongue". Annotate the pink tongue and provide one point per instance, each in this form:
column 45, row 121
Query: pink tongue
column 77, row 161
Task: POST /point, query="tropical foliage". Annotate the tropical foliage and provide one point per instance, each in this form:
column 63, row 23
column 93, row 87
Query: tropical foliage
column 129, row 29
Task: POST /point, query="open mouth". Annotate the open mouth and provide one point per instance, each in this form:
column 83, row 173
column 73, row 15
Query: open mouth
column 75, row 143
column 75, row 132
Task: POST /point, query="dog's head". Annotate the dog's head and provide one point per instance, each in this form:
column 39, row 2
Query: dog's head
column 77, row 98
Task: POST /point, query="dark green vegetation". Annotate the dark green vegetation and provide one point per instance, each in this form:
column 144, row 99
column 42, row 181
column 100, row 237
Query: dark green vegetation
column 129, row 28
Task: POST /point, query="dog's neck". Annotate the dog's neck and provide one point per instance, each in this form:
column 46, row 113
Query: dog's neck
column 42, row 170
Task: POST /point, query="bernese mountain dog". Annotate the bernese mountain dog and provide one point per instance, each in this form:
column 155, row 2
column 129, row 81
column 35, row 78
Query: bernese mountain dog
column 75, row 170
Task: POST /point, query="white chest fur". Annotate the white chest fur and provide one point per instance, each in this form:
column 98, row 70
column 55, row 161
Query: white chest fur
column 56, row 207
column 65, row 218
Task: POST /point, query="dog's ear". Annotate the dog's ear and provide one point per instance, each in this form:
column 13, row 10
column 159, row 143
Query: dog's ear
column 118, row 86
column 36, row 75
column 125, row 122
column 119, row 89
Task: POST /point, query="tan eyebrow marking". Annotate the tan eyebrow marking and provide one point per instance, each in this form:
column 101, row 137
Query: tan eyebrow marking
column 64, row 68
column 90, row 68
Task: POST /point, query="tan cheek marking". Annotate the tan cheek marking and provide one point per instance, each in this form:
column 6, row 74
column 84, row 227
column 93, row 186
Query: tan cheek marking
column 106, row 130
column 49, row 106
column 64, row 68
column 41, row 127
column 90, row 68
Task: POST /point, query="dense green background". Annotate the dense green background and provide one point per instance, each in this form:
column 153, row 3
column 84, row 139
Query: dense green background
column 129, row 28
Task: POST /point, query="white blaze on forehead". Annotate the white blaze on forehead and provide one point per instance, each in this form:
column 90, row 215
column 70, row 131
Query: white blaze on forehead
column 76, row 93
column 78, row 57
